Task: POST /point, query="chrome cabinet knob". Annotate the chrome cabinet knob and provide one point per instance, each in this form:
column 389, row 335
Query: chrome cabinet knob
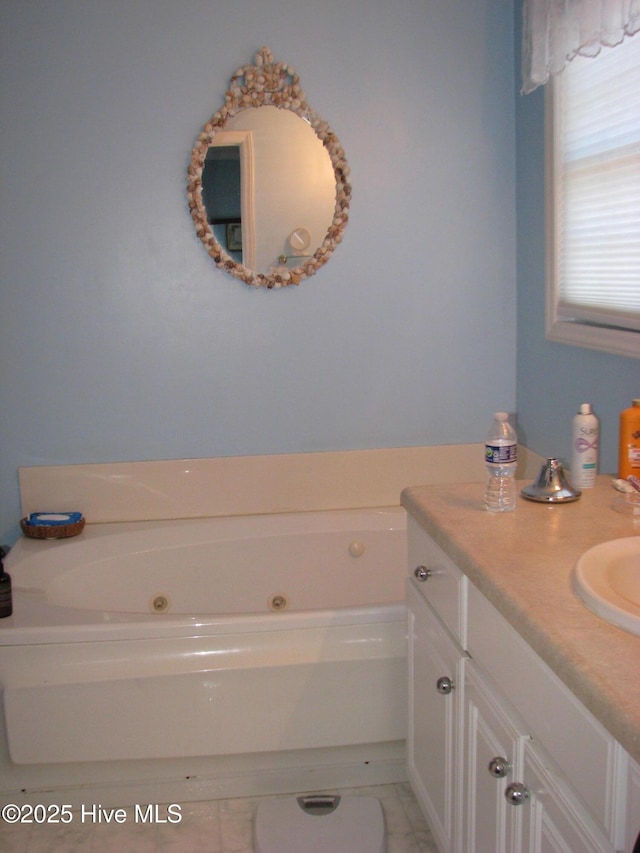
column 422, row 573
column 516, row 794
column 499, row 767
column 444, row 685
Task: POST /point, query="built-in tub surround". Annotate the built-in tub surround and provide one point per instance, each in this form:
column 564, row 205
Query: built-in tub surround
column 276, row 661
column 522, row 562
column 248, row 485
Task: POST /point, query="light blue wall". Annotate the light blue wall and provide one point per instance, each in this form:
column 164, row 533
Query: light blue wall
column 553, row 379
column 120, row 340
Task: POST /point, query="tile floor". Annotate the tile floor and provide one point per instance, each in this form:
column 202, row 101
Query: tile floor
column 217, row 826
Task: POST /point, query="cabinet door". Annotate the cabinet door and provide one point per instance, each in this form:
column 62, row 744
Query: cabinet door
column 433, row 742
column 494, row 743
column 632, row 834
column 552, row 819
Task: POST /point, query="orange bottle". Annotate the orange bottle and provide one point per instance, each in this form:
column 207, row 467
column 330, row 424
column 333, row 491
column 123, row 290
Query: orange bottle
column 629, row 447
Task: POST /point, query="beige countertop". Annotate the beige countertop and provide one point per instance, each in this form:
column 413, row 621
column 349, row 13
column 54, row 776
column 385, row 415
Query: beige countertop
column 522, row 562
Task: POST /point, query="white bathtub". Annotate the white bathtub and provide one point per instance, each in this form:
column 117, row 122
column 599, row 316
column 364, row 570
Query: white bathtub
column 226, row 656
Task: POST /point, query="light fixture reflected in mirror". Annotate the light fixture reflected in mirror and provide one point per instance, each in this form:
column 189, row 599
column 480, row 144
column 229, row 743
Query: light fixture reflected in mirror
column 269, row 201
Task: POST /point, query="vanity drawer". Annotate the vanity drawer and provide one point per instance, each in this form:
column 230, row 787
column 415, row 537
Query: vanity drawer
column 445, row 588
column 578, row 745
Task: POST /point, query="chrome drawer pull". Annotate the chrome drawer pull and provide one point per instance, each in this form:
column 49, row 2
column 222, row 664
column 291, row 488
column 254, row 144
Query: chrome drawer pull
column 444, row 685
column 422, row 573
column 516, row 794
column 499, row 767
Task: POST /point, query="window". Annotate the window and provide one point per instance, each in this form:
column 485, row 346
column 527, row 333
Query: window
column 593, row 201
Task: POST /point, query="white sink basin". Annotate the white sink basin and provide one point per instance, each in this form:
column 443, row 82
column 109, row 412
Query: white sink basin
column 607, row 579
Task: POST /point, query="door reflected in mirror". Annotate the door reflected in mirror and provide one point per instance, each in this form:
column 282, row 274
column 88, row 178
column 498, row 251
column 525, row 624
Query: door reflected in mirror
column 266, row 169
column 221, row 194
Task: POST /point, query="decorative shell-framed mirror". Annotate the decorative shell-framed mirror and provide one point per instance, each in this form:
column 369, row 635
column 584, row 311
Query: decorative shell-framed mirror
column 268, row 181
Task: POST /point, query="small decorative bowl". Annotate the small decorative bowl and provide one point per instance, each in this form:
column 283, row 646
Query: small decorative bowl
column 57, row 531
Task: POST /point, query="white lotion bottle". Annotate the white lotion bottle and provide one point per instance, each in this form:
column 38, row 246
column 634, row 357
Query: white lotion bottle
column 585, row 440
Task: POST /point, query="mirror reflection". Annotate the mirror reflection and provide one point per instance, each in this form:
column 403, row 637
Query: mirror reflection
column 268, row 182
column 293, row 187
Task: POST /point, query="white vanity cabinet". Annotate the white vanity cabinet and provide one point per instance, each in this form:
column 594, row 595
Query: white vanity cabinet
column 436, row 666
column 436, row 679
column 508, row 760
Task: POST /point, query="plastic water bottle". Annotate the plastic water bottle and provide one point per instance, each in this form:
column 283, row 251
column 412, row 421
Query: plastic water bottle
column 501, row 457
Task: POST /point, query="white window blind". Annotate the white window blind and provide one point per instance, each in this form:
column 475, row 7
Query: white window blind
column 596, row 189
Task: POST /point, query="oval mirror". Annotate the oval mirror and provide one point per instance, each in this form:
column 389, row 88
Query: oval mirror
column 268, row 182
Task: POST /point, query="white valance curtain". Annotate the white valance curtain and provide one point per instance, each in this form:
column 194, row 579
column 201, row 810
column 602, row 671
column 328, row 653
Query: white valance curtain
column 555, row 31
